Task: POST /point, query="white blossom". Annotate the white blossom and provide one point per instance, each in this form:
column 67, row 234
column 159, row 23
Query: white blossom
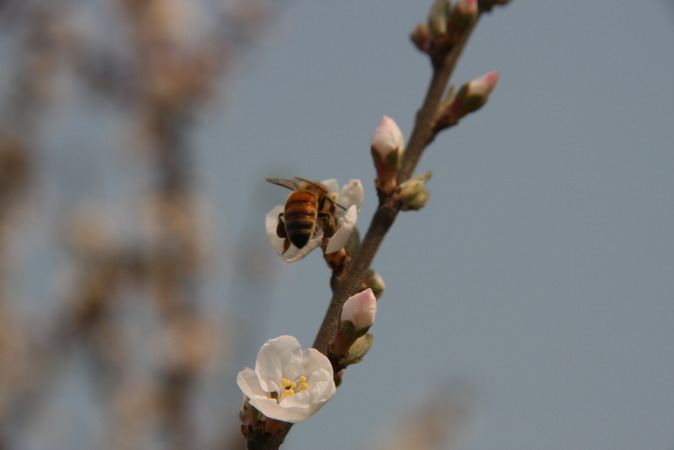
column 289, row 383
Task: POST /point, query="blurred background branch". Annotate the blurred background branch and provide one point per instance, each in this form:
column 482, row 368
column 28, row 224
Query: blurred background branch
column 126, row 310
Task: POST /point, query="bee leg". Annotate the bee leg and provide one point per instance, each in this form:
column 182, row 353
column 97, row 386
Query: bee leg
column 281, row 232
column 281, row 228
column 327, row 222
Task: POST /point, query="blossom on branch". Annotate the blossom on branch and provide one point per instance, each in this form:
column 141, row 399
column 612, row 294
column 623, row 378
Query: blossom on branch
column 347, row 207
column 289, row 383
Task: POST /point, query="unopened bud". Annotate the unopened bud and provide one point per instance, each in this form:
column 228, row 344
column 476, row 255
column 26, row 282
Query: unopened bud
column 463, row 14
column 413, row 194
column 358, row 313
column 421, row 37
column 437, row 18
column 358, row 350
column 471, row 97
column 474, row 95
column 417, row 202
column 387, row 146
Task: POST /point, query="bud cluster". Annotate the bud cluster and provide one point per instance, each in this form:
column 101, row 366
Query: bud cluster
column 446, row 24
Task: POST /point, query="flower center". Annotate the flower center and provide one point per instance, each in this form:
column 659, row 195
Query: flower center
column 292, row 387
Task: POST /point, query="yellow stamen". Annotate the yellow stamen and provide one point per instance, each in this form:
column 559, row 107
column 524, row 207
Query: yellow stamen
column 291, row 387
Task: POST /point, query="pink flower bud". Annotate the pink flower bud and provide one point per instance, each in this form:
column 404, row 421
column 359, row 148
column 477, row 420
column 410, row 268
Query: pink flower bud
column 358, row 313
column 360, row 310
column 387, row 138
column 387, row 146
column 471, row 97
column 484, row 85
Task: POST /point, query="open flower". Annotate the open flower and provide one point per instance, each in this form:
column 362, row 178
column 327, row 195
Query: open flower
column 348, row 204
column 289, row 383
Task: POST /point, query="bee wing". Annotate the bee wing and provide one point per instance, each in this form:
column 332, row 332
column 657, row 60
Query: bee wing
column 290, row 184
column 316, row 184
column 319, row 186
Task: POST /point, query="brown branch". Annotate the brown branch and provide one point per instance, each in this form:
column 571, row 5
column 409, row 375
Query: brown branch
column 386, row 213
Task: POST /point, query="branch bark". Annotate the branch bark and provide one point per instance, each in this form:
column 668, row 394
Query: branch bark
column 384, row 217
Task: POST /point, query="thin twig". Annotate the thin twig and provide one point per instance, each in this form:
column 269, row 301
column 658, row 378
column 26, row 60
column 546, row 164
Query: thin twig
column 386, row 213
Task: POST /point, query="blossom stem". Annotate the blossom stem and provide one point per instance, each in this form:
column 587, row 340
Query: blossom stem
column 259, row 440
column 352, row 280
column 423, row 134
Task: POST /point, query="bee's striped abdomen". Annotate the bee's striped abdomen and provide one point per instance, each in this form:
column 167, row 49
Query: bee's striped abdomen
column 300, row 217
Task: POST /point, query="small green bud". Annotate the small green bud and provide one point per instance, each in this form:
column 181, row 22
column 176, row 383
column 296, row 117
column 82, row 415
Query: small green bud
column 437, row 18
column 375, row 282
column 463, row 15
column 413, row 194
column 421, row 37
column 358, row 350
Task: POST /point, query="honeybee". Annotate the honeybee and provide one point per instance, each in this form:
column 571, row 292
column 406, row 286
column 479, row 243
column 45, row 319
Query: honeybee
column 308, row 207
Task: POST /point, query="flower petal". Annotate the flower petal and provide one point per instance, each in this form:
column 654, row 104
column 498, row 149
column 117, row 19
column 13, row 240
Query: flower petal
column 341, row 236
column 271, row 223
column 249, row 384
column 279, row 411
column 352, row 194
column 331, row 185
column 273, row 357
